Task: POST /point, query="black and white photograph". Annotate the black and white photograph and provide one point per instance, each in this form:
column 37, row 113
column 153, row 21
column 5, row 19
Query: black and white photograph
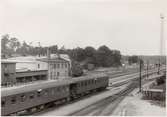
column 83, row 57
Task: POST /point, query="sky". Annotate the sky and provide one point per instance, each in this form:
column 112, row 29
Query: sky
column 131, row 26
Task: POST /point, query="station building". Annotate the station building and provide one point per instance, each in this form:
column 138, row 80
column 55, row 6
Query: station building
column 29, row 69
column 8, row 72
column 58, row 68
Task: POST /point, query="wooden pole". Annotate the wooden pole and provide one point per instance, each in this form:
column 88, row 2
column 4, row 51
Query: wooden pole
column 140, row 78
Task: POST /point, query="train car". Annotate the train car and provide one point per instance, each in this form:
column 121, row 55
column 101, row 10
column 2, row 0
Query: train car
column 22, row 98
column 38, row 96
column 87, row 84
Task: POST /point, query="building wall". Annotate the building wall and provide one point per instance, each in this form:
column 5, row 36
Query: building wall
column 58, row 70
column 41, row 65
column 32, row 66
column 8, row 73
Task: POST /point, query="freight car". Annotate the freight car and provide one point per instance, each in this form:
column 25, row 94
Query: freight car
column 39, row 96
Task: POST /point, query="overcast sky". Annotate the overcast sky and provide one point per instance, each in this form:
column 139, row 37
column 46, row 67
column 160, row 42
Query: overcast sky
column 131, row 26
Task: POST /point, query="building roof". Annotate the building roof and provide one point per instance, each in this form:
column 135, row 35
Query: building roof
column 47, row 84
column 53, row 59
column 7, row 61
column 32, row 87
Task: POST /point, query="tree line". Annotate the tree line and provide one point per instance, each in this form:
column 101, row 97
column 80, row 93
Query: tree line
column 101, row 57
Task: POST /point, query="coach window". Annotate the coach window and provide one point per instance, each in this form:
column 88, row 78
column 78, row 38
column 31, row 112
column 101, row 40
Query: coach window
column 13, row 101
column 52, row 91
column 39, row 93
column 58, row 89
column 66, row 88
column 23, row 97
column 63, row 89
column 46, row 93
column 3, row 103
column 31, row 96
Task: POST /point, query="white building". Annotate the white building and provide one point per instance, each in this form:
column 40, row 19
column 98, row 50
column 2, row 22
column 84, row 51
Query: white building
column 58, row 66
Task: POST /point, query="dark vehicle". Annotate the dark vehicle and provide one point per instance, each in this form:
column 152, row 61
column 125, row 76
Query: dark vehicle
column 76, row 69
column 36, row 97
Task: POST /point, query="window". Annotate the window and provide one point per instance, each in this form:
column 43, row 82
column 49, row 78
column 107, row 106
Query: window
column 31, row 96
column 23, row 97
column 5, row 65
column 13, row 101
column 58, row 88
column 55, row 66
column 38, row 66
column 6, row 74
column 67, row 89
column 65, row 65
column 39, row 93
column 46, row 93
column 62, row 65
column 3, row 103
column 58, row 65
column 62, row 89
column 58, row 73
column 52, row 91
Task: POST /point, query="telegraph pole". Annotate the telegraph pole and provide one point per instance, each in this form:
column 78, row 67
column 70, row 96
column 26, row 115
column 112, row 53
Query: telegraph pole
column 147, row 67
column 140, row 67
column 161, row 40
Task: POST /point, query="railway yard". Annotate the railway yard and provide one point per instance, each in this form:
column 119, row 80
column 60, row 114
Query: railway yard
column 83, row 58
column 89, row 103
column 101, row 103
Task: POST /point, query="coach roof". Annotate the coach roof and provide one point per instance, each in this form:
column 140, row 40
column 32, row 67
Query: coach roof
column 32, row 87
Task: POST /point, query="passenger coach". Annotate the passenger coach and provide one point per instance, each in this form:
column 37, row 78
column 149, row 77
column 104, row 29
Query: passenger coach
column 36, row 97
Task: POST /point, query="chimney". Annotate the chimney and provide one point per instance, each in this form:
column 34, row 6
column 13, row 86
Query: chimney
column 48, row 53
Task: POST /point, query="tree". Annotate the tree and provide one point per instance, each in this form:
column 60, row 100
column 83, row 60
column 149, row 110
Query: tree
column 103, row 56
column 54, row 49
column 14, row 44
column 133, row 59
column 90, row 51
column 78, row 54
column 4, row 42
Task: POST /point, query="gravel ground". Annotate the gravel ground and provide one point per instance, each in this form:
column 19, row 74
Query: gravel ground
column 133, row 105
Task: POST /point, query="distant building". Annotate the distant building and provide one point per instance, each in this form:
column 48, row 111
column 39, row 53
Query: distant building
column 58, row 68
column 8, row 72
column 33, row 68
column 28, row 63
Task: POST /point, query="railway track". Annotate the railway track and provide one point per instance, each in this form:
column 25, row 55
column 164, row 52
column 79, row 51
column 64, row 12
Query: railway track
column 111, row 101
column 106, row 106
column 99, row 107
